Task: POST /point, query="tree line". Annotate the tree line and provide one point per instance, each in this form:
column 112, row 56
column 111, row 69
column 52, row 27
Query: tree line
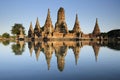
column 15, row 31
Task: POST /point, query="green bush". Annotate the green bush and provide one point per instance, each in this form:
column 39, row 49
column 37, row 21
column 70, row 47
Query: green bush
column 5, row 35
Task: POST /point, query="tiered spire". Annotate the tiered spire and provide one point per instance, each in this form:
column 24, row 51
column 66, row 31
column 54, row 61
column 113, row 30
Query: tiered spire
column 76, row 27
column 31, row 31
column 48, row 15
column 48, row 27
column 31, row 28
column 96, row 28
column 37, row 24
column 37, row 30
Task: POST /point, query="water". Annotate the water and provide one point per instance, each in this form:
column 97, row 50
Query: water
column 59, row 60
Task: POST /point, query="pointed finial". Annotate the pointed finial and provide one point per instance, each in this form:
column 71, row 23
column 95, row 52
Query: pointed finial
column 76, row 18
column 31, row 28
column 48, row 14
column 76, row 27
column 37, row 24
column 96, row 20
column 30, row 25
column 37, row 20
column 96, row 30
column 48, row 11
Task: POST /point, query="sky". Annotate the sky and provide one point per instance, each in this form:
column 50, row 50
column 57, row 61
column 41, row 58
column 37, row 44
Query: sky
column 26, row 11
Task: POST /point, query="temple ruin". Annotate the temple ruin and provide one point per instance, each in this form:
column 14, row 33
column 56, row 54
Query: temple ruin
column 60, row 31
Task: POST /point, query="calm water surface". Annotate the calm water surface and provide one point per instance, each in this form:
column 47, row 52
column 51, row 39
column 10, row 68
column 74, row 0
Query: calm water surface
column 59, row 61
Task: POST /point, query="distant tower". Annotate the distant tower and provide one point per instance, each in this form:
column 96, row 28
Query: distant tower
column 30, row 31
column 37, row 30
column 76, row 27
column 96, row 30
column 48, row 27
column 61, row 25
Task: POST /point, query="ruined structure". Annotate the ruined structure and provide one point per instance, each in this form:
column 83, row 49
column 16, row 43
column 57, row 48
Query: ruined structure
column 21, row 35
column 31, row 31
column 37, row 30
column 61, row 25
column 60, row 32
column 96, row 30
column 48, row 27
column 76, row 28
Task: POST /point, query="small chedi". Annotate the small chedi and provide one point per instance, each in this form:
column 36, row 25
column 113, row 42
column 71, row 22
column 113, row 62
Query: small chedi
column 21, row 35
column 60, row 31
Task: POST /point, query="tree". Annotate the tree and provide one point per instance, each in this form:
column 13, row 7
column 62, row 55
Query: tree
column 17, row 50
column 16, row 29
column 5, row 35
column 114, row 33
column 6, row 42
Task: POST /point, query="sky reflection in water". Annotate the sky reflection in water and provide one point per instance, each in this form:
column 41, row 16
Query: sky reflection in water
column 59, row 60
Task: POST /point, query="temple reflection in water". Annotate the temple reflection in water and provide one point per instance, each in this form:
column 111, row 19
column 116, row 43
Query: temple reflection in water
column 60, row 49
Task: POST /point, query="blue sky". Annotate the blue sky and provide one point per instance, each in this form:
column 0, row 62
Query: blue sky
column 25, row 11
